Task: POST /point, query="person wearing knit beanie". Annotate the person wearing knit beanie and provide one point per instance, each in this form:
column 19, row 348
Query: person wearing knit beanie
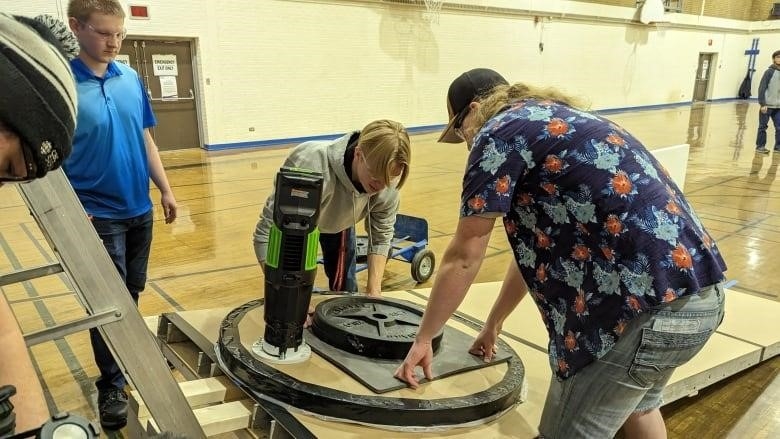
column 38, row 98
column 37, row 120
column 60, row 30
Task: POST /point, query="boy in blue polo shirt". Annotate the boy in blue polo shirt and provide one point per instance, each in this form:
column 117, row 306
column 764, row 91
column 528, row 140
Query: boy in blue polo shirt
column 113, row 158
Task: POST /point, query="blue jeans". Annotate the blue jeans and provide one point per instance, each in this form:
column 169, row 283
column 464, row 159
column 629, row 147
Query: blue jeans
column 763, row 124
column 127, row 242
column 338, row 257
column 631, row 377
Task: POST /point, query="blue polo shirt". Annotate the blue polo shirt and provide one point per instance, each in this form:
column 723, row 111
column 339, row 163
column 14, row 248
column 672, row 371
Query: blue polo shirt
column 108, row 167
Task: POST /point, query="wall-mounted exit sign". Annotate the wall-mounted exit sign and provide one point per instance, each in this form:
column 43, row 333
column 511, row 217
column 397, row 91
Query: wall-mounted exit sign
column 139, row 12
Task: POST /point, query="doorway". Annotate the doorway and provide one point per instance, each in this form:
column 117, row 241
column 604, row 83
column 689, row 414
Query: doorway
column 703, row 73
column 165, row 67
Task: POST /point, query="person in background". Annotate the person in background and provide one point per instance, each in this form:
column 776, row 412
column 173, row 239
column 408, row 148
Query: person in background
column 37, row 120
column 769, row 101
column 114, row 156
column 627, row 280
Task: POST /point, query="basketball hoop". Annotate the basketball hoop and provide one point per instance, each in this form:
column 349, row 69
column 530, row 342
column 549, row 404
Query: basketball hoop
column 432, row 10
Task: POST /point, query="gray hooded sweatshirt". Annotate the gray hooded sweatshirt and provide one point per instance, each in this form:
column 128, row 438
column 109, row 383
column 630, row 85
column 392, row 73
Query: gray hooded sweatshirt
column 769, row 88
column 342, row 205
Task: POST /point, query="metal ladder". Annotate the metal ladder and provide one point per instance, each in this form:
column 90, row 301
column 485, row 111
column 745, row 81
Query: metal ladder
column 96, row 282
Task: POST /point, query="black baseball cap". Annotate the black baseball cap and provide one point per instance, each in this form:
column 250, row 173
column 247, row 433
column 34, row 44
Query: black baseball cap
column 466, row 88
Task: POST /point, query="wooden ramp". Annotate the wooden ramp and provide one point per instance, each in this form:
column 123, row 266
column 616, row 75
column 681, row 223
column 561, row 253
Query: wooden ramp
column 747, row 336
column 189, row 336
column 753, row 320
column 219, row 407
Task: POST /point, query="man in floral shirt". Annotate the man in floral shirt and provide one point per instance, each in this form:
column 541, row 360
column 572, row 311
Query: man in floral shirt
column 626, row 279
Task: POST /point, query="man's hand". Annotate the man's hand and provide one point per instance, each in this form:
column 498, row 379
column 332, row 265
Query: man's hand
column 485, row 344
column 420, row 354
column 168, row 202
column 309, row 317
column 764, row 109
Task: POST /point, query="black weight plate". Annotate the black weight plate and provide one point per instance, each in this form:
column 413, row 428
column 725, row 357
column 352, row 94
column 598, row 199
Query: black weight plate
column 369, row 326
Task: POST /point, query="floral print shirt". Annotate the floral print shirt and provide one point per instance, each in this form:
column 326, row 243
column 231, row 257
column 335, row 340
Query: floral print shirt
column 599, row 230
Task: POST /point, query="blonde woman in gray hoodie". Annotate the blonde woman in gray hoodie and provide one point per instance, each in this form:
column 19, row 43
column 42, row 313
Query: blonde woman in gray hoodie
column 769, row 100
column 363, row 172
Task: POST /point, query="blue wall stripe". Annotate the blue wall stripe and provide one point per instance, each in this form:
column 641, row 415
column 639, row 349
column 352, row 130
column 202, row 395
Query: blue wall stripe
column 424, row 128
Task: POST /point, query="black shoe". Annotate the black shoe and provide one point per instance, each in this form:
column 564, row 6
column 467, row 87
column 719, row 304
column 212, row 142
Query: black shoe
column 762, row 150
column 112, row 406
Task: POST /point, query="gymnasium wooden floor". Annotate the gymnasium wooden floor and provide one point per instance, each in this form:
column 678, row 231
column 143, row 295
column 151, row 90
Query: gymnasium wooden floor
column 205, row 259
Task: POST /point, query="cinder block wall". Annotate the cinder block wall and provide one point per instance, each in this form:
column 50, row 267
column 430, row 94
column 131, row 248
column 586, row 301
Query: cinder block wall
column 749, row 10
column 626, row 3
column 759, row 9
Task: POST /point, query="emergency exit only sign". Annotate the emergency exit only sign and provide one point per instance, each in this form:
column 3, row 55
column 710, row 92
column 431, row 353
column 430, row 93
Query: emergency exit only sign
column 164, row 65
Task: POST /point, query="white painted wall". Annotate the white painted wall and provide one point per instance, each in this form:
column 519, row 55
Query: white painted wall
column 297, row 68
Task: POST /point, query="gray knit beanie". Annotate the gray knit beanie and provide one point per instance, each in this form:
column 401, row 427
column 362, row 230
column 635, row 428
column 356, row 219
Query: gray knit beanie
column 37, row 92
column 68, row 42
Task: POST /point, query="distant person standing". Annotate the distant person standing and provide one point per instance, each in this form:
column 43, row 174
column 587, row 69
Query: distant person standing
column 113, row 158
column 769, row 100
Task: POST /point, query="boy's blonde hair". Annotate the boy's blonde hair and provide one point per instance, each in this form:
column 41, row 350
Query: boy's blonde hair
column 82, row 10
column 386, row 147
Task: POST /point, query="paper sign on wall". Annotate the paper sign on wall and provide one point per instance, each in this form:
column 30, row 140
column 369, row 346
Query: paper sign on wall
column 123, row 58
column 705, row 65
column 165, row 65
column 168, row 88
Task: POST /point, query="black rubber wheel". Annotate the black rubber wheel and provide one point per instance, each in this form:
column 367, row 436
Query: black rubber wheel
column 423, row 264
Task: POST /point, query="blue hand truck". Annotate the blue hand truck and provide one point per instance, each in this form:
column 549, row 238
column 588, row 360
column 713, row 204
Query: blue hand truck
column 409, row 244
